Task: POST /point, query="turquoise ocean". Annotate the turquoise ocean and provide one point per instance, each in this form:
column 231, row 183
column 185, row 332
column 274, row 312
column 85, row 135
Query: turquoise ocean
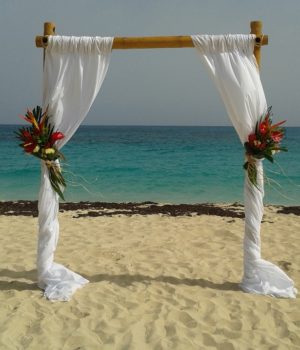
column 168, row 164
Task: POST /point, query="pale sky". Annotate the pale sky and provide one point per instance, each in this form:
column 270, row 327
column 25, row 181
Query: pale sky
column 150, row 87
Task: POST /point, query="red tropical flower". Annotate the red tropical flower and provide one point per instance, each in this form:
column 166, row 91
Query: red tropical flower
column 277, row 124
column 26, row 135
column 277, row 136
column 251, row 139
column 263, row 128
column 56, row 136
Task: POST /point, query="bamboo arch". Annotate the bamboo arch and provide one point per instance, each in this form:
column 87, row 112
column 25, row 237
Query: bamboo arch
column 260, row 276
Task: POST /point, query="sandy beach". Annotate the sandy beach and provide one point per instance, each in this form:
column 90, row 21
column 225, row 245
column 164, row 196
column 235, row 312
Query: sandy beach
column 166, row 279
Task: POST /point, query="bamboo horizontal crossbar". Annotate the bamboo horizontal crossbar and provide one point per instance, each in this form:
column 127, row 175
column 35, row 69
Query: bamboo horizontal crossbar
column 150, row 42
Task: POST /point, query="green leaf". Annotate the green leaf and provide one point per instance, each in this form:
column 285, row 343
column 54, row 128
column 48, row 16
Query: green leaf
column 56, row 179
column 270, row 158
column 252, row 173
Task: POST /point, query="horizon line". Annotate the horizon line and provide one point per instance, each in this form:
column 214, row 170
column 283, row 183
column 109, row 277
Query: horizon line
column 152, row 125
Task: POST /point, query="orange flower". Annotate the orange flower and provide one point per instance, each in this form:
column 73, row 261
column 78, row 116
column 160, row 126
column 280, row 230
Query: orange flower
column 44, row 117
column 30, row 119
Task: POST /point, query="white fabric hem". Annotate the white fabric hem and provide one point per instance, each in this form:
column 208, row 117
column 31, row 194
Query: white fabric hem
column 263, row 277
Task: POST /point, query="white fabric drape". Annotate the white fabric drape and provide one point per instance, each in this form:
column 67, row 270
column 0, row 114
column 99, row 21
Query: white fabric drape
column 230, row 61
column 74, row 70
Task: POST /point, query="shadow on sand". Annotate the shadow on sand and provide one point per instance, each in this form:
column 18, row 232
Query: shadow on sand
column 14, row 276
column 124, row 280
column 127, row 280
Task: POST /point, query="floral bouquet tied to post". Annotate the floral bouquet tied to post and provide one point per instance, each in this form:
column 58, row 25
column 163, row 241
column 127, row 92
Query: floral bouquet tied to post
column 263, row 143
column 39, row 140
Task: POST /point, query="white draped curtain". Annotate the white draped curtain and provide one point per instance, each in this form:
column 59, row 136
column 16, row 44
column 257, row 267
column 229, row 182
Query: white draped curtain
column 232, row 66
column 74, row 70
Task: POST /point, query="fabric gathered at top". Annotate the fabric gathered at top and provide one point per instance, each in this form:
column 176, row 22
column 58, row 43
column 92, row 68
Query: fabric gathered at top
column 218, row 44
column 79, row 44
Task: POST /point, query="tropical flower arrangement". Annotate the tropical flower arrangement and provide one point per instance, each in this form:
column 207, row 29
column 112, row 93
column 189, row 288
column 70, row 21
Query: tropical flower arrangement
column 263, row 143
column 39, row 140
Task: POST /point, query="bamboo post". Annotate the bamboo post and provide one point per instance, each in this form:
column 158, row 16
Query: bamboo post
column 256, row 28
column 49, row 29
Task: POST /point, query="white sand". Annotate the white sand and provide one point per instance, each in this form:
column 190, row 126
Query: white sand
column 156, row 282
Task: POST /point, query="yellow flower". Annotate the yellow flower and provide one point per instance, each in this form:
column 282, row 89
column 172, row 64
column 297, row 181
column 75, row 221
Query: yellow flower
column 49, row 151
column 36, row 149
